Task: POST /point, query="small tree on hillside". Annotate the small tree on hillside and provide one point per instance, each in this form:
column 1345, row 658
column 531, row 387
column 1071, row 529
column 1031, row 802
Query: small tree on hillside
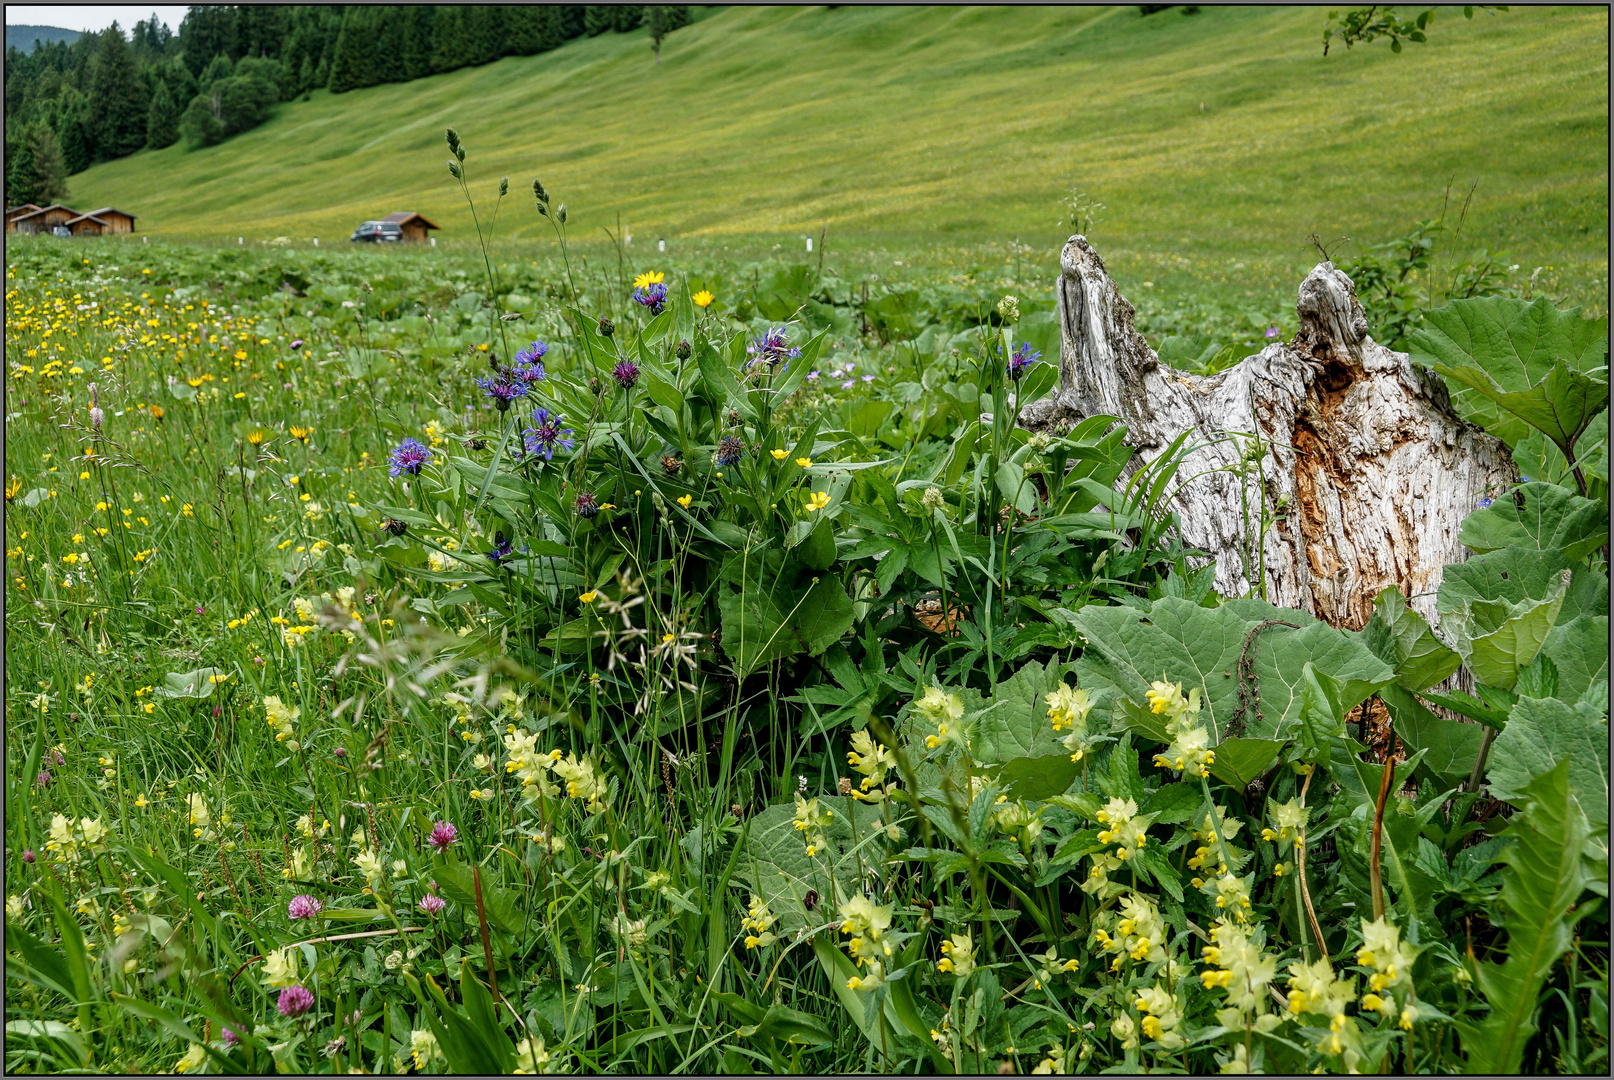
column 49, row 173
column 663, row 19
column 117, row 97
column 162, row 120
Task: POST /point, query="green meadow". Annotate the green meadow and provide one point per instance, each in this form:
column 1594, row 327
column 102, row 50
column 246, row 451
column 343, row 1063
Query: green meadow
column 1215, row 139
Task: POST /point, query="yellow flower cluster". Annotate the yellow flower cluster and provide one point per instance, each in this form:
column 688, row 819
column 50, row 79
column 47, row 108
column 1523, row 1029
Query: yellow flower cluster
column 1068, row 707
column 1390, row 959
column 68, row 840
column 1241, row 967
column 759, row 920
column 582, row 781
column 1162, row 1014
column 529, row 766
column 283, row 718
column 958, row 956
column 1189, row 752
column 946, row 712
column 812, row 821
column 866, row 922
column 873, row 760
column 1140, row 933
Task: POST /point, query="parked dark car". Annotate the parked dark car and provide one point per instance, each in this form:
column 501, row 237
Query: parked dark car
column 377, row 232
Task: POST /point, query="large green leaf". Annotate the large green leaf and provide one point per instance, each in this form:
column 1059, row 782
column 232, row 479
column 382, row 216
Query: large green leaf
column 776, row 866
column 1240, row 761
column 1543, row 877
column 1015, row 723
column 1560, row 406
column 1401, row 638
column 1544, row 517
column 502, row 906
column 190, row 684
column 1515, row 573
column 1579, row 650
column 1508, row 346
column 1540, row 733
column 1496, row 638
column 1179, row 641
column 1451, row 747
column 767, row 615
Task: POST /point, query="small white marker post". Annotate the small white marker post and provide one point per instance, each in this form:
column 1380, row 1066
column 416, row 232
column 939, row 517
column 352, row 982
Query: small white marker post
column 809, row 245
column 241, row 240
column 145, row 239
column 661, row 246
column 627, row 239
column 434, row 241
column 316, row 241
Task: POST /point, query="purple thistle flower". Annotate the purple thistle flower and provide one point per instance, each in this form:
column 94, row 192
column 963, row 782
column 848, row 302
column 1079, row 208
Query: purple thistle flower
column 546, row 434
column 626, row 374
column 408, row 458
column 729, row 450
column 295, row 1000
column 229, row 1036
column 431, row 905
column 654, row 297
column 503, row 389
column 1022, row 359
column 442, row 835
column 28, row 855
column 303, row 907
column 770, row 349
column 587, row 505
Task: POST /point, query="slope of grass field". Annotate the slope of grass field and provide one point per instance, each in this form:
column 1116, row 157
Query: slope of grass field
column 1223, row 135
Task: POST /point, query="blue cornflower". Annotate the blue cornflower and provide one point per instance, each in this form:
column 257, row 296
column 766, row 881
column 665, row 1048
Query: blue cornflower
column 503, row 389
column 408, row 457
column 531, row 354
column 1483, row 503
column 770, row 349
column 653, row 297
column 546, row 434
column 1023, row 357
column 587, row 505
column 502, row 549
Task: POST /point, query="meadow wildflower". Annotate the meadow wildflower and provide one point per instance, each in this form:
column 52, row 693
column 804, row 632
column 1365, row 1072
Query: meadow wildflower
column 303, row 907
column 652, row 297
column 770, row 349
column 1021, row 359
column 432, row 905
column 294, row 1001
column 703, row 299
column 423, row 1049
column 503, row 390
column 443, row 836
column 958, row 956
column 408, row 458
column 625, row 374
column 280, row 966
column 729, row 450
column 586, row 506
column 546, row 435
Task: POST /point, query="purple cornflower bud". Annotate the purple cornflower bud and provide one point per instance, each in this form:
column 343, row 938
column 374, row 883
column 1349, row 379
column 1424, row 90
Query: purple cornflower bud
column 303, row 907
column 408, row 458
column 729, row 450
column 442, row 835
column 626, row 374
column 502, row 549
column 546, row 434
column 587, row 505
column 340, row 751
column 431, row 905
column 295, row 1000
column 28, row 855
column 607, row 327
column 682, row 350
column 1022, row 359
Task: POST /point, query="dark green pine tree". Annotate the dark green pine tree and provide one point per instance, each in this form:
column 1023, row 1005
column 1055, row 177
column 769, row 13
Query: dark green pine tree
column 48, row 170
column 417, row 37
column 625, row 17
column 118, row 103
column 451, row 41
column 597, row 19
column 162, row 119
column 350, row 65
column 73, row 131
column 487, row 34
column 19, row 170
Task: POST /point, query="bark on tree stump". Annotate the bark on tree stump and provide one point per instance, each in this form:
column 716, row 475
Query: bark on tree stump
column 1369, row 470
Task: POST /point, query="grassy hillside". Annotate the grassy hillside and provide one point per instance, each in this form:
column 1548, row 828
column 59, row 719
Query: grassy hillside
column 1224, row 135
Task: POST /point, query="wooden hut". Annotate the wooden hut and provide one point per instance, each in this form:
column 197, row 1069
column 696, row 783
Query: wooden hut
column 42, row 220
column 412, row 224
column 112, row 221
column 16, row 212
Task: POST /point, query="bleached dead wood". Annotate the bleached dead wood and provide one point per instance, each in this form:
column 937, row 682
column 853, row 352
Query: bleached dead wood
column 1368, row 469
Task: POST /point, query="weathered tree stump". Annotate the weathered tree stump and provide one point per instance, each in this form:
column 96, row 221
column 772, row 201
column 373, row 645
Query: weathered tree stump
column 1369, row 470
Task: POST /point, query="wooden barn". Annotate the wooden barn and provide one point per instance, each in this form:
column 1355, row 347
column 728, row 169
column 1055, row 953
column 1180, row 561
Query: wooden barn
column 413, row 225
column 103, row 222
column 16, row 212
column 42, row 219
